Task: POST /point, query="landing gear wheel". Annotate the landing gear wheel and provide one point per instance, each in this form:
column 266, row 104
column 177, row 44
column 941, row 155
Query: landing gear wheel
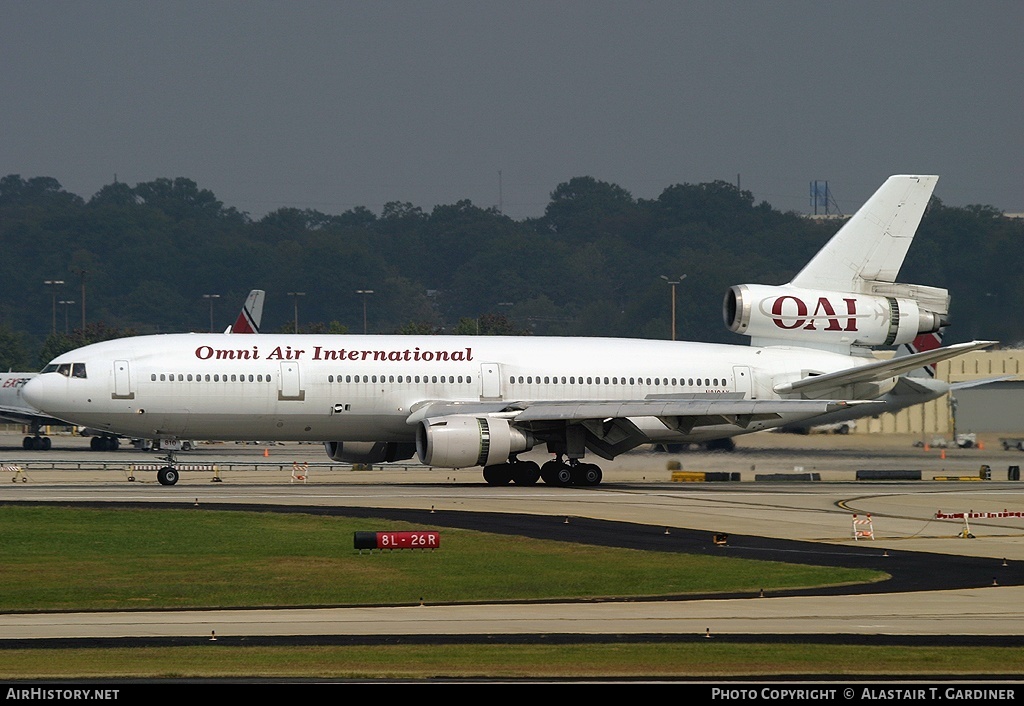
column 548, row 471
column 498, row 474
column 588, row 474
column 525, row 473
column 168, row 475
column 563, row 476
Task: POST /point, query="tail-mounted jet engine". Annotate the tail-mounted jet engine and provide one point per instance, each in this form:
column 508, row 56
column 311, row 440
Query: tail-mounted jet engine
column 463, row 441
column 891, row 314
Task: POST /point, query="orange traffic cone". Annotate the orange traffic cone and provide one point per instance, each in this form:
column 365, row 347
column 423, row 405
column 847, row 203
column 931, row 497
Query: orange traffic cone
column 266, row 453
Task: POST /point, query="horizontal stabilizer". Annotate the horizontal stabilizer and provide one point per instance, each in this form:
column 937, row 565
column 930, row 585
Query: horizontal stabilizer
column 978, row 383
column 878, row 371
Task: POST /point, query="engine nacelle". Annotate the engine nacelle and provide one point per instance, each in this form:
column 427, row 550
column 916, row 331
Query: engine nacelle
column 368, row 451
column 819, row 316
column 463, row 441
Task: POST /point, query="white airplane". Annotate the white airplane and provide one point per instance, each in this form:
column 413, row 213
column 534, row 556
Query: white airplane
column 466, row 401
column 14, row 408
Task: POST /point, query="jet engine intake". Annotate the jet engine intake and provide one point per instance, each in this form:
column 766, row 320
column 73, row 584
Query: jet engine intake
column 463, row 441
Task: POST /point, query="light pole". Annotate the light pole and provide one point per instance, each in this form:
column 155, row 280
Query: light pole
column 673, row 284
column 364, row 292
column 66, row 303
column 53, row 284
column 211, row 297
column 295, row 296
column 82, row 273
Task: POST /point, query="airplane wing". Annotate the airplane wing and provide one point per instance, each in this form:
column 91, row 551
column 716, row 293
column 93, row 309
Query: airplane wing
column 607, row 425
column 878, row 371
column 681, row 414
column 728, row 408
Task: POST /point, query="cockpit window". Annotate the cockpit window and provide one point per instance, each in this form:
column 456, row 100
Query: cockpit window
column 72, row 370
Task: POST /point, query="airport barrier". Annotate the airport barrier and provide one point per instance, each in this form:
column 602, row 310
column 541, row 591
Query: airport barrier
column 18, row 472
column 984, row 474
column 888, row 475
column 787, row 477
column 703, row 476
column 863, row 528
column 965, row 533
column 266, row 466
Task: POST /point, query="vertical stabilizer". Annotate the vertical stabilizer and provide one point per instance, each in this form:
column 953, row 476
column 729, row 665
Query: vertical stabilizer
column 249, row 318
column 872, row 245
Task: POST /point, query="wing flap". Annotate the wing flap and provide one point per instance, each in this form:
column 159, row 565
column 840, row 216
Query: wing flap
column 707, row 411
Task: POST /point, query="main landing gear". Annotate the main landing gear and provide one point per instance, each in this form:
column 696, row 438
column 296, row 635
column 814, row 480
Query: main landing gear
column 104, row 443
column 554, row 472
column 36, row 443
column 519, row 472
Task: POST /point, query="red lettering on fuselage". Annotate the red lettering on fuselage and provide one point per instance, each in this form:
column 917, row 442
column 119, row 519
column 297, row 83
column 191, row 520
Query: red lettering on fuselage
column 211, row 353
column 823, row 309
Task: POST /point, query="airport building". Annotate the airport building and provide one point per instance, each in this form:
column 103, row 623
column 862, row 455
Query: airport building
column 993, row 407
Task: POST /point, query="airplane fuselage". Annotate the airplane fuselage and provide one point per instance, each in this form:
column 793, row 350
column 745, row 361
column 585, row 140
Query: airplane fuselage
column 364, row 388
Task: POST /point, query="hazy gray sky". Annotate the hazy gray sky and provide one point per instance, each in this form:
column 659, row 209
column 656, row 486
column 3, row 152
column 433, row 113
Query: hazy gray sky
column 332, row 105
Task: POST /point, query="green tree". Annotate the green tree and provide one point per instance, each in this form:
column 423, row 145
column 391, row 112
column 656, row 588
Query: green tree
column 14, row 355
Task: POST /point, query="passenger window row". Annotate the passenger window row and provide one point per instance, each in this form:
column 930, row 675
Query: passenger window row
column 209, row 377
column 404, row 379
column 591, row 380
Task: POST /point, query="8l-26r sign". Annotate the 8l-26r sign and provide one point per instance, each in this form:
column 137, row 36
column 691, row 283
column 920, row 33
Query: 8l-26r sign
column 419, row 539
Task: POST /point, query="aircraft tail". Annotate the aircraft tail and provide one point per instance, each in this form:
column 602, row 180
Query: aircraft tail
column 847, row 297
column 871, row 246
column 251, row 315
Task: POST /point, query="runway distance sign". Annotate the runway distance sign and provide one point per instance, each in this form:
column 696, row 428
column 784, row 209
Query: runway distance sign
column 417, row 539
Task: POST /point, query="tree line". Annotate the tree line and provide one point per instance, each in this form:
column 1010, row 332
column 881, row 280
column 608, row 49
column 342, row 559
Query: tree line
column 168, row 256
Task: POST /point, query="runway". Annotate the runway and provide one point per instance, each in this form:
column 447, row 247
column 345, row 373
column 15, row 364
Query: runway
column 945, row 587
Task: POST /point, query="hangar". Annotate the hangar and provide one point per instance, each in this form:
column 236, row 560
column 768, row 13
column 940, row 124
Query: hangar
column 992, row 407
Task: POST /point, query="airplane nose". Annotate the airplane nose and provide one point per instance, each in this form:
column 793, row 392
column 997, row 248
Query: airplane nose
column 40, row 393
